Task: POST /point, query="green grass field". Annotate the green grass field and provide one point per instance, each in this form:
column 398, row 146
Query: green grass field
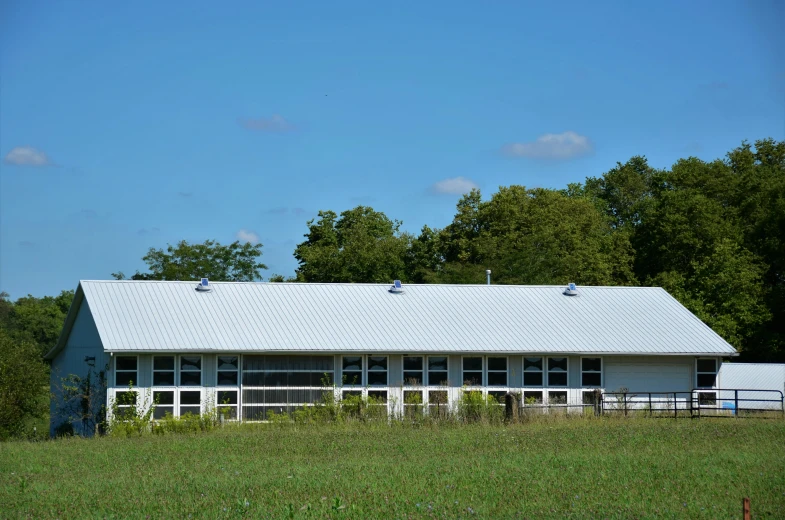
column 600, row 468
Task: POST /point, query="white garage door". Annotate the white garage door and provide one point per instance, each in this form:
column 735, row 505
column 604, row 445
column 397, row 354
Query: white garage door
column 648, row 377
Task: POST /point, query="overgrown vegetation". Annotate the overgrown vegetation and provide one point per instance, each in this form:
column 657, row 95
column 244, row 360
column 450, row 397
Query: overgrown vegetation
column 551, row 467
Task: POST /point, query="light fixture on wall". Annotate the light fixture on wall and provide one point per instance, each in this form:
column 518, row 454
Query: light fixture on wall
column 90, row 360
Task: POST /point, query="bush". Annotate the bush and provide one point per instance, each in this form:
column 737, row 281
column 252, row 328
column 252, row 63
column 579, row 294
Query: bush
column 24, row 382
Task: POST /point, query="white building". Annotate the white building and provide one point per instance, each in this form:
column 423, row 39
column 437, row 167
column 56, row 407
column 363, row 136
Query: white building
column 269, row 346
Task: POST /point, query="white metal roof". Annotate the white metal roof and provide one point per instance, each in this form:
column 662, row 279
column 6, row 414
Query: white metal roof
column 244, row 317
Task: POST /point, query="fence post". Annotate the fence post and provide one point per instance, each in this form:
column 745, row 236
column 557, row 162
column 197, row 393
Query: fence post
column 510, row 407
column 650, row 410
column 624, row 395
column 675, row 407
column 597, row 400
column 745, row 508
column 735, row 404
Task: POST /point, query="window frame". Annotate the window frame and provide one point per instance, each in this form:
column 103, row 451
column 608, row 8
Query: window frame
column 134, row 382
column 180, row 370
column 175, row 371
column 179, row 398
column 218, row 371
column 541, row 372
column 698, row 373
column 601, row 372
column 548, row 372
column 437, row 384
column 422, row 371
column 363, row 367
column 368, row 371
column 482, row 371
column 506, row 372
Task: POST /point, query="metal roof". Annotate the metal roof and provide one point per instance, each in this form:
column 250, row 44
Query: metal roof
column 244, row 317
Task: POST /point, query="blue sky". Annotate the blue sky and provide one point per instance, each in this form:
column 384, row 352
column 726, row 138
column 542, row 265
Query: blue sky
column 125, row 127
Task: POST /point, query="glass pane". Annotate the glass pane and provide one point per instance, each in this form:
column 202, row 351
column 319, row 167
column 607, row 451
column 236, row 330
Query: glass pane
column 705, row 380
column 472, row 363
column 193, row 410
column 227, row 378
column 191, row 378
column 276, row 396
column 591, row 364
column 299, row 379
column 472, row 378
column 253, row 378
column 437, row 363
column 498, row 396
column 125, row 363
column 191, row 363
column 253, row 362
column 377, row 378
column 589, row 398
column 707, row 365
column 533, row 364
column 532, row 398
column 322, row 363
column 125, row 398
column 163, row 398
column 557, row 397
column 377, row 396
column 351, row 393
column 190, row 397
column 497, row 363
column 557, row 378
column 591, row 379
column 321, row 379
column 352, row 378
column 276, row 363
column 411, row 397
column 125, row 378
column 352, row 363
column 163, row 363
column 497, row 378
column 707, row 399
column 253, row 413
column 225, row 397
column 557, row 364
column 276, row 378
column 160, row 411
column 412, row 363
column 229, row 412
column 253, row 396
column 532, row 379
column 163, row 378
column 437, row 378
column 227, row 362
column 437, row 397
column 412, row 378
column 377, row 363
column 299, row 363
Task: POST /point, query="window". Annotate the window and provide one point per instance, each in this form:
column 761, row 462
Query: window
column 228, row 367
column 707, row 398
column 352, row 370
column 707, row 372
column 190, row 402
column 591, row 372
column 532, row 397
column 557, row 397
column 163, row 371
column 472, row 371
column 165, row 399
column 125, row 401
column 497, row 371
column 125, row 371
column 412, row 370
column 377, row 397
column 437, row 403
column 557, row 371
column 499, row 396
column 190, row 370
column 377, row 370
column 412, row 403
column 437, row 371
column 226, row 403
column 591, row 397
column 532, row 372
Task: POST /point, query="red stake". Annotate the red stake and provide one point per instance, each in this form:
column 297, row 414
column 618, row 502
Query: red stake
column 746, row 508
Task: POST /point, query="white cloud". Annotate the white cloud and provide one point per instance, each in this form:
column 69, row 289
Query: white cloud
column 27, row 156
column 245, row 235
column 551, row 146
column 454, row 186
column 274, row 123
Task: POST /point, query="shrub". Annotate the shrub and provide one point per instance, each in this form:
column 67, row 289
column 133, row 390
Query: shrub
column 24, row 380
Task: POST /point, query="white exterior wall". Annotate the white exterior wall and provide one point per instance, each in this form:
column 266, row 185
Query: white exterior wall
column 649, row 373
column 83, row 341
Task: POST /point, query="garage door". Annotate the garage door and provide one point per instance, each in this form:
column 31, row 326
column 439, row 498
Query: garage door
column 648, row 377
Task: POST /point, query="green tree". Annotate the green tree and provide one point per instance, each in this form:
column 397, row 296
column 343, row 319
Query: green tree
column 362, row 245
column 236, row 262
column 36, row 320
column 23, row 382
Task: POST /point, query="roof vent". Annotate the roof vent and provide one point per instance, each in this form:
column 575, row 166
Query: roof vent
column 204, row 285
column 396, row 288
column 571, row 290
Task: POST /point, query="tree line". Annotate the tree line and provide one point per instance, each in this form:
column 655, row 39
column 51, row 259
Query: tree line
column 711, row 233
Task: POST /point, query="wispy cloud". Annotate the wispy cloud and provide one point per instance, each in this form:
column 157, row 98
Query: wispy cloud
column 566, row 145
column 27, row 156
column 148, row 231
column 26, row 244
column 274, row 123
column 185, row 194
column 298, row 211
column 245, row 235
column 281, row 210
column 454, row 186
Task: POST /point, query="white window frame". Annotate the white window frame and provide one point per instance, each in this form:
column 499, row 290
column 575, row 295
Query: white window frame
column 173, row 406
column 218, row 371
column 135, row 383
column 367, row 366
column 363, row 368
column 506, row 372
column 548, row 372
column 438, row 384
column 122, row 390
column 236, row 406
column 175, row 361
column 542, row 373
column 178, row 398
column 716, row 372
column 482, row 372
column 601, row 372
column 179, row 370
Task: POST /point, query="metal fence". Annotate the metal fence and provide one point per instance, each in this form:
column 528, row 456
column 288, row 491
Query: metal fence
column 695, row 403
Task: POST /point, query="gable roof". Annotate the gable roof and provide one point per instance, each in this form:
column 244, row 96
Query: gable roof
column 163, row 316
